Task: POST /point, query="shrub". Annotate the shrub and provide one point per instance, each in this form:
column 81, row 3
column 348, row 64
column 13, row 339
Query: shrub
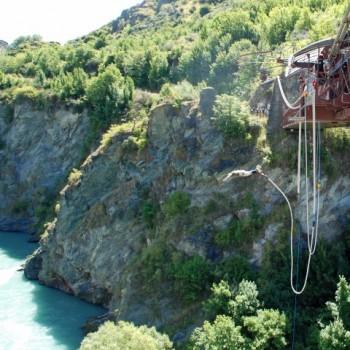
column 158, row 71
column 26, row 40
column 155, row 263
column 177, row 203
column 136, row 129
column 237, row 24
column 125, row 336
column 338, row 139
column 191, row 276
column 234, row 269
column 266, row 329
column 221, row 334
column 231, row 116
column 336, row 335
column 196, row 63
column 241, row 233
column 108, row 94
column 70, row 85
column 176, row 94
column 204, row 10
column 240, row 323
column 28, row 93
column 149, row 212
column 280, row 23
column 74, row 177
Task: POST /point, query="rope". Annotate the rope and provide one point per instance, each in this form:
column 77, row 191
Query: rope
column 289, row 105
column 316, row 218
column 295, row 290
column 299, row 160
column 312, row 236
column 295, row 295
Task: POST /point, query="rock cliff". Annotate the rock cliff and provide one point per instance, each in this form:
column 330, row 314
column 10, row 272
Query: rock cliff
column 96, row 247
column 38, row 148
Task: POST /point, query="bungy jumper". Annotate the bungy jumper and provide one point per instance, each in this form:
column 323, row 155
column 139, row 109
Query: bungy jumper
column 323, row 71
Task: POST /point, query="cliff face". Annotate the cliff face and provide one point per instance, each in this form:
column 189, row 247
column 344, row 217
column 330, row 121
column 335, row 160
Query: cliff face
column 38, row 149
column 3, row 45
column 95, row 246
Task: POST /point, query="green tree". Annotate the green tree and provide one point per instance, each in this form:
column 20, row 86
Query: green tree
column 237, row 24
column 196, row 63
column 231, row 116
column 108, row 95
column 177, row 203
column 336, row 335
column 222, row 334
column 266, row 330
column 280, row 23
column 241, row 325
column 70, row 85
column 125, row 336
column 191, row 277
column 159, row 71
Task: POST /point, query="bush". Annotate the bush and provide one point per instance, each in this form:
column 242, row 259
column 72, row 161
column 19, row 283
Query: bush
column 191, row 276
column 176, row 94
column 266, row 329
column 231, row 116
column 149, row 212
column 159, row 71
column 70, row 85
column 280, row 23
column 237, row 24
column 195, row 64
column 336, row 335
column 177, row 203
column 125, row 336
column 27, row 93
column 221, row 334
column 204, row 10
column 232, row 73
column 74, row 177
column 108, row 95
column 154, row 263
column 234, row 269
column 241, row 233
column 240, row 323
column 338, row 139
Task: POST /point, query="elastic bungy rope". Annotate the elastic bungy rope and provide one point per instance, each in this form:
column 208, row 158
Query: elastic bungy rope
column 289, row 105
column 291, row 241
column 295, row 295
column 316, row 145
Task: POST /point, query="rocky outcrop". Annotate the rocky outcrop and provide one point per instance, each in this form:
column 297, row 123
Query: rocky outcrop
column 93, row 248
column 3, row 45
column 149, row 15
column 38, row 148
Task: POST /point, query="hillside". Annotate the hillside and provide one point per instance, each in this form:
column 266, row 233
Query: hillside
column 113, row 149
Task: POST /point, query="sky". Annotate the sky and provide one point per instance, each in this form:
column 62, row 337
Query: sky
column 57, row 20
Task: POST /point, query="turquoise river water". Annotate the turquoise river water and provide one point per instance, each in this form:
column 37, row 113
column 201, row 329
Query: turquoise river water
column 33, row 316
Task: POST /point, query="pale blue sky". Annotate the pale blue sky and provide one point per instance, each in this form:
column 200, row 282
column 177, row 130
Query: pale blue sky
column 57, row 20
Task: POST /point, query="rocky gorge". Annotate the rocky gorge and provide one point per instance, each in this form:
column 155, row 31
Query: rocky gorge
column 96, row 246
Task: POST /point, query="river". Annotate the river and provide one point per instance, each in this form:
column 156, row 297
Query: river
column 33, row 316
